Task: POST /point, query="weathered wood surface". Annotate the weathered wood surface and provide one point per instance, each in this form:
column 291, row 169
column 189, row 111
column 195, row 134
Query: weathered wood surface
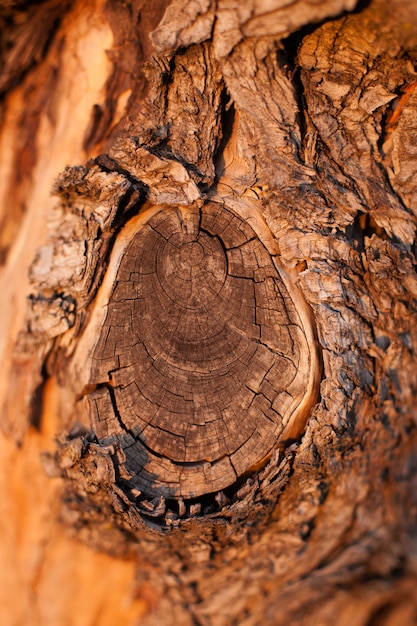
column 305, row 144
column 202, row 358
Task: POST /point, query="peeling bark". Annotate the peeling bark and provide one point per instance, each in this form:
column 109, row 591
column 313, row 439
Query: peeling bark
column 225, row 305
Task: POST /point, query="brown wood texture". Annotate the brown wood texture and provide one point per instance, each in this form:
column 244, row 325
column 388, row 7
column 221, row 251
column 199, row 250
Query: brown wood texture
column 214, row 316
column 202, row 354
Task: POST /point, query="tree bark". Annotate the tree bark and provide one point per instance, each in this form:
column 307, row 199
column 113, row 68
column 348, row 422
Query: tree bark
column 208, row 330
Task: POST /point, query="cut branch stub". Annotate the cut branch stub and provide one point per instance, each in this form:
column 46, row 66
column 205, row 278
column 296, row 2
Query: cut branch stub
column 203, row 360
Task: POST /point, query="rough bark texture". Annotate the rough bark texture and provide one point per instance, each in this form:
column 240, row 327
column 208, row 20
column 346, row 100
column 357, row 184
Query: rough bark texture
column 221, row 320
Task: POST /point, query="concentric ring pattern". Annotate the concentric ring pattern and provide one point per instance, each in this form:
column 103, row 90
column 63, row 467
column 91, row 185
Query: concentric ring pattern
column 201, row 351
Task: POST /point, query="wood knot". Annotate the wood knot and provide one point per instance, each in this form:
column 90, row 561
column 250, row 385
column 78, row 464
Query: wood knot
column 204, row 361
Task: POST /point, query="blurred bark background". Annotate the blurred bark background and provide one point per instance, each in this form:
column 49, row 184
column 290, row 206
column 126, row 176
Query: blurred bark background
column 306, row 112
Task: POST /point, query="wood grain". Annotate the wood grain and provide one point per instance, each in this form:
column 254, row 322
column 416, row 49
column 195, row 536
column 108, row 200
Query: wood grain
column 211, row 354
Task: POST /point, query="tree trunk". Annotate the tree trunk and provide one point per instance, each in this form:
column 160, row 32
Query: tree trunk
column 208, row 330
